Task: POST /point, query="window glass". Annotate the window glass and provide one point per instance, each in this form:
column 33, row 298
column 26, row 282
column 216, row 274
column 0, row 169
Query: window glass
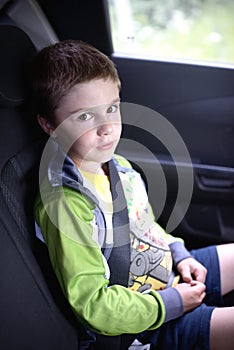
column 200, row 30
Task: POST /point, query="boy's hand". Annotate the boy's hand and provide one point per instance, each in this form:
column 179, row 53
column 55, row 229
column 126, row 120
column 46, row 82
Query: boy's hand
column 192, row 294
column 190, row 269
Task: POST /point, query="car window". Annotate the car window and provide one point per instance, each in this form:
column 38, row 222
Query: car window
column 200, row 30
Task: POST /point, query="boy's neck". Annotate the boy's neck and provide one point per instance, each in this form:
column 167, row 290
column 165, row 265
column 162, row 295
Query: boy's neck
column 93, row 168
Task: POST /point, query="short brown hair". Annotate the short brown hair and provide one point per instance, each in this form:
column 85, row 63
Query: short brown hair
column 58, row 67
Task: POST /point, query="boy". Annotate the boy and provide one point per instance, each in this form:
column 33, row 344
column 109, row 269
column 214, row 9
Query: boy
column 94, row 216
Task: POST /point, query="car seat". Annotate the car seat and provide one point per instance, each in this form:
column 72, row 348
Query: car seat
column 34, row 313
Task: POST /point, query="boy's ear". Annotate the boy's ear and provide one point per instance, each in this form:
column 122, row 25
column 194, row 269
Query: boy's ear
column 46, row 125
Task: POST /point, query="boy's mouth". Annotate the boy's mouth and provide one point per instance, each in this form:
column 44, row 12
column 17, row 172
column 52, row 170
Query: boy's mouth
column 106, row 146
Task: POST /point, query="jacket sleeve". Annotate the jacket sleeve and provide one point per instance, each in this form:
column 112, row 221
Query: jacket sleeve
column 65, row 217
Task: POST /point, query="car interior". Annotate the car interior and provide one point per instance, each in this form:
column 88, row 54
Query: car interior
column 197, row 100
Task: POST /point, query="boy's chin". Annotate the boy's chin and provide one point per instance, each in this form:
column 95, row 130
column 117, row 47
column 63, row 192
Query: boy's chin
column 106, row 157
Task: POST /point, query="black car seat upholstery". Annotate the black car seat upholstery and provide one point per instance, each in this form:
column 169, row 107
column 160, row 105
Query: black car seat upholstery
column 34, row 314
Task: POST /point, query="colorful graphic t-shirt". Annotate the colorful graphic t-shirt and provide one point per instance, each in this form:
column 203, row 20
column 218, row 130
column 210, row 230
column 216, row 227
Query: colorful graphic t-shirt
column 151, row 260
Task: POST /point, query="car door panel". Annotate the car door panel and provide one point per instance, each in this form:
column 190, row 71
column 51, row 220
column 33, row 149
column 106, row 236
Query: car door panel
column 199, row 102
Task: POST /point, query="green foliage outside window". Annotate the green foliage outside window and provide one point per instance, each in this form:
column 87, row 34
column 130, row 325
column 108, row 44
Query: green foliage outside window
column 200, row 30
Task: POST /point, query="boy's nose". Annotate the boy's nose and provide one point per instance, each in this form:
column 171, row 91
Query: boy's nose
column 105, row 129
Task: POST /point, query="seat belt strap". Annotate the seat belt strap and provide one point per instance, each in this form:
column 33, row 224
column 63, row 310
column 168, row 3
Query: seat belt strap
column 119, row 260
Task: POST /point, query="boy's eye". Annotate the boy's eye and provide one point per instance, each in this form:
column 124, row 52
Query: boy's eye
column 85, row 116
column 112, row 109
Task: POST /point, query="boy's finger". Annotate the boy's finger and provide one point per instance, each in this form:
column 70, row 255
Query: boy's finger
column 186, row 275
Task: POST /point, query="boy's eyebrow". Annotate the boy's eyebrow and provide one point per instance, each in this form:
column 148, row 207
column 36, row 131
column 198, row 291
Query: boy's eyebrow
column 116, row 100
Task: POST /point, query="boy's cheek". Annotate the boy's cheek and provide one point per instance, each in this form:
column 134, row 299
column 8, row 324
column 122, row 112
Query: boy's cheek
column 118, row 128
column 69, row 132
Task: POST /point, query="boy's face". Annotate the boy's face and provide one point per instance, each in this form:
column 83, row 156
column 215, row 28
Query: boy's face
column 89, row 123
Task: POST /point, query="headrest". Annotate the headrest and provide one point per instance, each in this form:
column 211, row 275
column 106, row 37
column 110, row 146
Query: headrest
column 16, row 51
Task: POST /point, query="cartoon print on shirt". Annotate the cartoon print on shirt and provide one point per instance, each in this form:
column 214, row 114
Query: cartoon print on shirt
column 151, row 260
column 150, row 265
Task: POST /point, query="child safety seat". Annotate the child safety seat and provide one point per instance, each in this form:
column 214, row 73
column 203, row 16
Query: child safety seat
column 34, row 314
